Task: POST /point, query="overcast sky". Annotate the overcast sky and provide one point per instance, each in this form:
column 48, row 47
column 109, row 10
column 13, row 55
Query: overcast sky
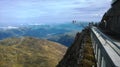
column 51, row 11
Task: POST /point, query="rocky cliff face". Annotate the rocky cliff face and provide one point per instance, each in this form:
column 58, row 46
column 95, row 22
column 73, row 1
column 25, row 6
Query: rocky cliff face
column 76, row 54
column 111, row 19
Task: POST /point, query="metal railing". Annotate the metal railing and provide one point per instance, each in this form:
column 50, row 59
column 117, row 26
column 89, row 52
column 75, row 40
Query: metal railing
column 109, row 41
column 107, row 53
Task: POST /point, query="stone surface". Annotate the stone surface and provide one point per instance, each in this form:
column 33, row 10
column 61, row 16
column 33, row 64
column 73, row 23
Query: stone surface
column 111, row 19
column 76, row 54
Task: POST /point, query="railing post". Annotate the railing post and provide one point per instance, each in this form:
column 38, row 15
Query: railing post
column 103, row 63
column 96, row 50
column 99, row 57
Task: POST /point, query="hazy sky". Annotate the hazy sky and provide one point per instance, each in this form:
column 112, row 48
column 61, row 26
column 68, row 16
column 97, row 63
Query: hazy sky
column 51, row 11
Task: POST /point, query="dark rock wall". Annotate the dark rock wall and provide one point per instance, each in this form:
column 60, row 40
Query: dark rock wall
column 74, row 53
column 111, row 19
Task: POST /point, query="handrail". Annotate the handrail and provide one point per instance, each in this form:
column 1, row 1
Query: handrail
column 117, row 49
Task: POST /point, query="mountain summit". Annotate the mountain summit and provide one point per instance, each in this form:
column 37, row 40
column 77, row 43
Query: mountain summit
column 30, row 52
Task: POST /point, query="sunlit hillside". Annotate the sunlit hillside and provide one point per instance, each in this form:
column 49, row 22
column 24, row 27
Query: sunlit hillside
column 30, row 52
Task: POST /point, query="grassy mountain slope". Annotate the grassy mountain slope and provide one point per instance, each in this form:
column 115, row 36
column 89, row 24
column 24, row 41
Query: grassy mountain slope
column 30, row 52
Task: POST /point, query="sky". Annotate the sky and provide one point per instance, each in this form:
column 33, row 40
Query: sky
column 13, row 12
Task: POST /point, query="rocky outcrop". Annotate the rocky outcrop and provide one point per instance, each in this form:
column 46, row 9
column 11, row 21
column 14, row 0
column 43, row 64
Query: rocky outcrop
column 75, row 54
column 111, row 19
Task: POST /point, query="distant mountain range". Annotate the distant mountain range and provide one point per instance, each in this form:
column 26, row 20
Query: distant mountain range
column 30, row 52
column 65, row 39
column 61, row 33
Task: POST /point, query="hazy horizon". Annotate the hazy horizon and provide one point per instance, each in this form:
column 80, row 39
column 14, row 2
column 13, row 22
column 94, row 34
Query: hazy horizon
column 18, row 12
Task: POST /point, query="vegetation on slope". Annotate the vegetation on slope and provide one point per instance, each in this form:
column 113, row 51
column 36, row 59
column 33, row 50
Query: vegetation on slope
column 30, row 52
column 80, row 53
column 88, row 54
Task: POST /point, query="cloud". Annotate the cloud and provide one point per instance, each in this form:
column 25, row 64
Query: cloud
column 24, row 11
